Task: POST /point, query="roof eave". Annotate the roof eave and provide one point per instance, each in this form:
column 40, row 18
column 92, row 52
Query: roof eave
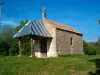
column 70, row 31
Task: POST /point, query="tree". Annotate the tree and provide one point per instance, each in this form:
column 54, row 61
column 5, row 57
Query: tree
column 85, row 45
column 98, row 41
column 5, row 39
column 14, row 46
column 99, row 21
column 22, row 24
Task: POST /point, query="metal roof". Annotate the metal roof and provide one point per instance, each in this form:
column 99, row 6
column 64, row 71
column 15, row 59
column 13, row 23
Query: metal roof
column 33, row 28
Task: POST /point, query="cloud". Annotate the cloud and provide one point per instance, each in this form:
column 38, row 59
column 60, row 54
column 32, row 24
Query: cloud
column 92, row 40
column 9, row 22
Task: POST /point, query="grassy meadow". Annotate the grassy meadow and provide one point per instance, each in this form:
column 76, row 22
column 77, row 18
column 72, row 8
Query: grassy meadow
column 62, row 65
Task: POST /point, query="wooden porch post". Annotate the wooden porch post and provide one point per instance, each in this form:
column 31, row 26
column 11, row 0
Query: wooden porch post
column 31, row 54
column 38, row 41
column 20, row 47
column 39, row 51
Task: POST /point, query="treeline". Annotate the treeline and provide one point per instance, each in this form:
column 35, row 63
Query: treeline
column 9, row 46
column 91, row 48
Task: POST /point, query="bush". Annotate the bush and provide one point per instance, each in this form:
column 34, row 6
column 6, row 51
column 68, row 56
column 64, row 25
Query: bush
column 5, row 39
column 91, row 48
column 14, row 48
column 4, row 48
column 26, row 46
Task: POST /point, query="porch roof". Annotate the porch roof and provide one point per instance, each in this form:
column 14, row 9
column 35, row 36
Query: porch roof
column 33, row 28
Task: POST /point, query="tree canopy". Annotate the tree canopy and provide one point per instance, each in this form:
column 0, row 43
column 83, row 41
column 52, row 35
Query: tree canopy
column 99, row 21
column 7, row 43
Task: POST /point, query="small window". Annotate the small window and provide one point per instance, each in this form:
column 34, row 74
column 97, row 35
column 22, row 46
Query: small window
column 71, row 41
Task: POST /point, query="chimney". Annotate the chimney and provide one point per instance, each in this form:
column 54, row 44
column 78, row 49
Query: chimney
column 44, row 13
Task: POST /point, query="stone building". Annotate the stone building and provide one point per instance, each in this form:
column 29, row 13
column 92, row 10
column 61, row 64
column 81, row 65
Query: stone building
column 50, row 39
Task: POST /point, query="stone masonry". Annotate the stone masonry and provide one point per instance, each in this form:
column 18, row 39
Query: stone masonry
column 63, row 42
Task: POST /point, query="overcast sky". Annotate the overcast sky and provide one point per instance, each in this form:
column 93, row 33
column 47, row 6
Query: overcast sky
column 82, row 15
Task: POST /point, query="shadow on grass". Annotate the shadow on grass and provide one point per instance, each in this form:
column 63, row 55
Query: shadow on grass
column 97, row 63
column 3, row 56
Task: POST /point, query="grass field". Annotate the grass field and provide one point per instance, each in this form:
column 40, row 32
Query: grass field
column 62, row 65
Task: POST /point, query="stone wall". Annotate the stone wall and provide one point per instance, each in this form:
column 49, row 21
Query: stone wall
column 63, row 42
column 51, row 44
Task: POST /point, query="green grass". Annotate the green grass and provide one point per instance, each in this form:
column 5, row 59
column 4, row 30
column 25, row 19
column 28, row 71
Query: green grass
column 62, row 65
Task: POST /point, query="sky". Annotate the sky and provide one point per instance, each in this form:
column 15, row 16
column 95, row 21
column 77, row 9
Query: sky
column 82, row 15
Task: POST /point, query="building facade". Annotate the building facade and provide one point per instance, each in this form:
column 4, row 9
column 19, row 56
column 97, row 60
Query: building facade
column 50, row 39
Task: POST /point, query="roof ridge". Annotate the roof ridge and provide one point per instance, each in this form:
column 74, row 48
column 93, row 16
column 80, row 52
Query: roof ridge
column 60, row 26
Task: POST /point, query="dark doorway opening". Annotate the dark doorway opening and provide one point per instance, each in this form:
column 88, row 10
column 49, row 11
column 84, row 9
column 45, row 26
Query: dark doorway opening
column 43, row 46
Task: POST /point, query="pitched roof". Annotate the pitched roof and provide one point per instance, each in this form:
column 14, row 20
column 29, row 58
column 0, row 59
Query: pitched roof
column 40, row 28
column 59, row 26
column 33, row 28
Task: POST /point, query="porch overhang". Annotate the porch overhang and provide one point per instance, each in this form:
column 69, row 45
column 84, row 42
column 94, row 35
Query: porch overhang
column 35, row 29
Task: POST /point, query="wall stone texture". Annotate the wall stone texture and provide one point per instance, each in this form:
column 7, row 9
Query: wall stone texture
column 63, row 42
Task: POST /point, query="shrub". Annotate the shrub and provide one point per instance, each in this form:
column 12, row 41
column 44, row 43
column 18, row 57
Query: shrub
column 4, row 48
column 14, row 48
column 26, row 46
column 90, row 48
